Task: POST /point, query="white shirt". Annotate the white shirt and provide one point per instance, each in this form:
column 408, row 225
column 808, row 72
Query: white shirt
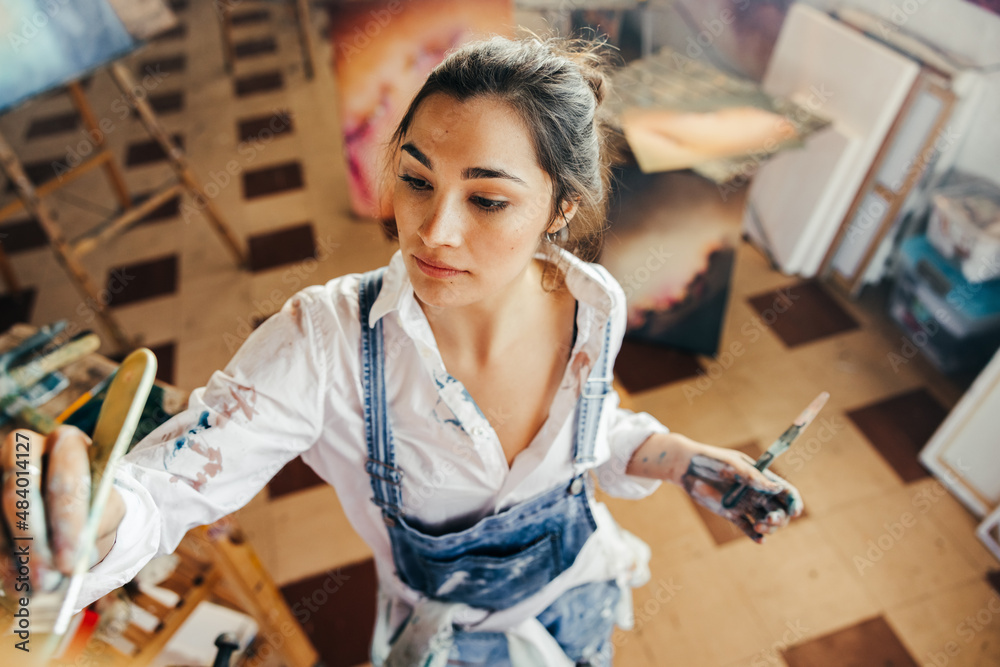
column 294, row 387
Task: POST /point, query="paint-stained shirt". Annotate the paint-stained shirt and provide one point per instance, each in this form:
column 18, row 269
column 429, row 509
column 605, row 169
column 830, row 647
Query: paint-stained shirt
column 294, row 388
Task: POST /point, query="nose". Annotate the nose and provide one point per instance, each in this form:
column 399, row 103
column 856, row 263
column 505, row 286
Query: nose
column 443, row 224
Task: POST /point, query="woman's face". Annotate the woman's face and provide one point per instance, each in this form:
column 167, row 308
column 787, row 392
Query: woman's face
column 469, row 195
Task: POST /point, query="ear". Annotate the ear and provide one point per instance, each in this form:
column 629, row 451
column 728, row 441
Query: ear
column 569, row 209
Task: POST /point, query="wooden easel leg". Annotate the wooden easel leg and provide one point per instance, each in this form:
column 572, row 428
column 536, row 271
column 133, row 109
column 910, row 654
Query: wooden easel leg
column 115, row 176
column 177, row 160
column 305, row 36
column 260, row 598
column 38, row 209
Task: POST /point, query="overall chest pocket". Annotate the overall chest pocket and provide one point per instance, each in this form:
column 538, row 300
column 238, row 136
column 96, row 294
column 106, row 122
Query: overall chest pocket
column 494, row 582
column 502, row 559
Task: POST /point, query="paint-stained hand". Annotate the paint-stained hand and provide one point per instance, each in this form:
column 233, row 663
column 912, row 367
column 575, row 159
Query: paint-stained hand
column 768, row 503
column 46, row 491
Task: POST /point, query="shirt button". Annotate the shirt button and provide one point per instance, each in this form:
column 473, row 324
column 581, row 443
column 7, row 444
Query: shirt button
column 479, row 431
column 424, row 352
column 576, row 486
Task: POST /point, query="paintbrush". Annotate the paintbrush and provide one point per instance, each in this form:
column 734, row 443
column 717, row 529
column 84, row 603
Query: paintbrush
column 778, row 447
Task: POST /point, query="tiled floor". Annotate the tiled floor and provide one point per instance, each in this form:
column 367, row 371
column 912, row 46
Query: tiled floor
column 884, row 568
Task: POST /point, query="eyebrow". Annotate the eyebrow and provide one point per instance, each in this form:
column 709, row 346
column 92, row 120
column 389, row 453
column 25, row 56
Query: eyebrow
column 468, row 173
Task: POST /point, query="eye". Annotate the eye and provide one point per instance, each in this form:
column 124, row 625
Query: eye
column 415, row 183
column 490, row 205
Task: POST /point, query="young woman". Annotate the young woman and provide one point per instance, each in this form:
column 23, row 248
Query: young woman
column 458, row 399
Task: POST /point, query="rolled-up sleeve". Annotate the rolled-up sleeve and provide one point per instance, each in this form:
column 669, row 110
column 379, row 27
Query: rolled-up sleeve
column 627, row 430
column 238, row 431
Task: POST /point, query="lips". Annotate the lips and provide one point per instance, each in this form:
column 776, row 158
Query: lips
column 437, row 264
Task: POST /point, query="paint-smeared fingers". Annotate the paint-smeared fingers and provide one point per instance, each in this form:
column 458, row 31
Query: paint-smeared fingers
column 748, row 529
column 771, row 522
column 789, row 499
column 67, row 493
column 23, row 509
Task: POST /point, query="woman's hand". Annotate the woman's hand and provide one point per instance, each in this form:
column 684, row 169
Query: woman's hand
column 768, row 503
column 708, row 473
column 46, row 497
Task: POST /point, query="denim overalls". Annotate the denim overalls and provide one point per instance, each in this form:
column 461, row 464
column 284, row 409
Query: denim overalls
column 505, row 557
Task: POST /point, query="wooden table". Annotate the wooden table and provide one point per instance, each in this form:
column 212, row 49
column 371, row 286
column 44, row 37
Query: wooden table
column 216, row 563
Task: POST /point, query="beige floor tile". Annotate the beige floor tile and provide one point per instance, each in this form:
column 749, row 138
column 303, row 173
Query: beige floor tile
column 710, row 417
column 769, row 393
column 797, row 583
column 312, row 534
column 958, row 524
column 198, row 359
column 833, row 465
column 666, row 521
column 631, row 649
column 696, row 613
column 895, row 548
column 958, row 627
column 856, row 368
column 753, row 275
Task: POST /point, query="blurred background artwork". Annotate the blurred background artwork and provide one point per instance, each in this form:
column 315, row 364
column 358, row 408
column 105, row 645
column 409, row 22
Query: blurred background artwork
column 54, row 43
column 672, row 251
column 382, row 53
column 992, row 5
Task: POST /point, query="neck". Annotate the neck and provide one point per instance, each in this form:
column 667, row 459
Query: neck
column 481, row 332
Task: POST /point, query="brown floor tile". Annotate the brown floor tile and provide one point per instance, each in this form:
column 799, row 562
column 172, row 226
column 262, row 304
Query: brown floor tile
column 39, row 171
column 255, row 47
column 147, row 152
column 22, row 235
column 164, row 353
column 263, row 128
column 295, row 476
column 871, row 643
column 899, row 427
column 250, row 17
column 641, row 366
column 259, row 83
column 164, row 65
column 337, row 612
column 282, row 246
column 145, row 280
column 43, row 127
column 164, row 103
column 165, row 211
column 16, row 307
column 802, row 313
column 272, row 180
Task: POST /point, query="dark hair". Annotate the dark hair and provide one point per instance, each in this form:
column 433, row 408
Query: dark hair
column 556, row 86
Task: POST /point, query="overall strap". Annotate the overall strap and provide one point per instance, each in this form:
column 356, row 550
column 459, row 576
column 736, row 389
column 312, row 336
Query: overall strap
column 589, row 405
column 381, row 463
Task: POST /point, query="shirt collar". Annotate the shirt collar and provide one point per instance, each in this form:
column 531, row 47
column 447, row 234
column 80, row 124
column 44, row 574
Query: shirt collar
column 584, row 280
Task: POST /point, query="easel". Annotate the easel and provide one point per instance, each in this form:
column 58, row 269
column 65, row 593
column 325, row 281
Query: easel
column 216, row 563
column 69, row 252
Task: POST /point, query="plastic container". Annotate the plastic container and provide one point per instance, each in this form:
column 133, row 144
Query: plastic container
column 955, row 323
column 964, row 226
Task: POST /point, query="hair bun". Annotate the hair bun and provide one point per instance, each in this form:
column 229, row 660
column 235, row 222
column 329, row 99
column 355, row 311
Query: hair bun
column 589, row 54
column 596, row 80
